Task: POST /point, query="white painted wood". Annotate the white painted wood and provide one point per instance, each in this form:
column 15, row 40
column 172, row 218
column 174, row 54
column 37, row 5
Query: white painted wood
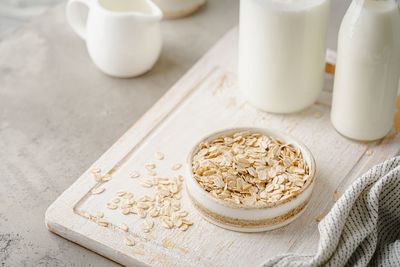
column 204, row 100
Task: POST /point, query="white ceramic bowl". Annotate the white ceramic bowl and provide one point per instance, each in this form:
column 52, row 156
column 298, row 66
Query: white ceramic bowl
column 244, row 218
column 178, row 8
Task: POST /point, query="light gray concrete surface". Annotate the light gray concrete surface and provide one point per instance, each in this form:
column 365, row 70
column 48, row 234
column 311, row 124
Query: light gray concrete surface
column 14, row 13
column 58, row 114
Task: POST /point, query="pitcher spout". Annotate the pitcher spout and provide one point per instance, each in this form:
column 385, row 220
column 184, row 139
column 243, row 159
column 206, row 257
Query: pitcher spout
column 156, row 12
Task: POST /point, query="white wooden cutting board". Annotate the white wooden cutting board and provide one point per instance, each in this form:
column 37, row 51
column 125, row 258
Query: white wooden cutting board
column 204, row 100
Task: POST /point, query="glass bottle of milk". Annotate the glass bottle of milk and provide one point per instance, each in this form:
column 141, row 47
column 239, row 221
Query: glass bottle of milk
column 367, row 70
column 282, row 52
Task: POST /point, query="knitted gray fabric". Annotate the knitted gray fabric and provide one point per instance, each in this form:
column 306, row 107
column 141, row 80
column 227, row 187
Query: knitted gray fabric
column 363, row 227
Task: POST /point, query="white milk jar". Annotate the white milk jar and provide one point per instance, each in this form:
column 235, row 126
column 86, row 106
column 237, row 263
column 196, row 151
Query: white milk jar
column 282, row 52
column 367, row 70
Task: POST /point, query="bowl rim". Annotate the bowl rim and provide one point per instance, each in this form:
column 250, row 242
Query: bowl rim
column 287, row 138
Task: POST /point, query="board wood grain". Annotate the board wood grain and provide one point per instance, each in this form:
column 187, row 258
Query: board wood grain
column 204, row 100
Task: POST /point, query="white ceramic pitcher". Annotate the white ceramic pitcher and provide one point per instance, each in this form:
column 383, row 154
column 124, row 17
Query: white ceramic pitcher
column 123, row 37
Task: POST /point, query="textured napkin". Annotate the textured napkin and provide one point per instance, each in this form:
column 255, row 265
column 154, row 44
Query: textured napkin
column 363, row 227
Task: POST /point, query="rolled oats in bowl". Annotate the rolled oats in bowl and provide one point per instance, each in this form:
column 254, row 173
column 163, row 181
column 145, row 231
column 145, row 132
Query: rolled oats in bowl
column 250, row 168
column 250, row 179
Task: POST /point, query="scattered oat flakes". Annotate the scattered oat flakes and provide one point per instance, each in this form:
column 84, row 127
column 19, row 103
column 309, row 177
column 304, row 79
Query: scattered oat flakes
column 96, row 174
column 153, row 212
column 146, row 185
column 124, row 227
column 106, row 178
column 159, row 155
column 174, row 188
column 149, row 223
column 100, row 214
column 97, row 190
column 126, row 211
column 336, row 195
column 133, row 210
column 318, row 114
column 142, row 213
column 182, row 213
column 142, row 205
column 369, row 152
column 320, row 217
column 163, row 207
column 184, row 227
column 145, row 198
column 151, row 172
column 125, row 205
column 111, row 206
column 95, row 170
column 121, row 193
column 134, row 174
column 178, row 222
column 150, row 166
column 127, row 195
column 127, row 202
column 102, row 223
column 187, row 222
column 176, row 166
column 166, row 222
column 129, row 242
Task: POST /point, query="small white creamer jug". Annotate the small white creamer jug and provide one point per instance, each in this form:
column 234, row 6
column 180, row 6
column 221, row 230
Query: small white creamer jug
column 123, row 37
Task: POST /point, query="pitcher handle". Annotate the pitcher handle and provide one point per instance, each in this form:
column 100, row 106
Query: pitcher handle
column 76, row 16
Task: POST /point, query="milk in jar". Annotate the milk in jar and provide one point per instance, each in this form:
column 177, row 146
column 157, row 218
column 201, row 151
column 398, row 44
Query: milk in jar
column 367, row 70
column 282, row 52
